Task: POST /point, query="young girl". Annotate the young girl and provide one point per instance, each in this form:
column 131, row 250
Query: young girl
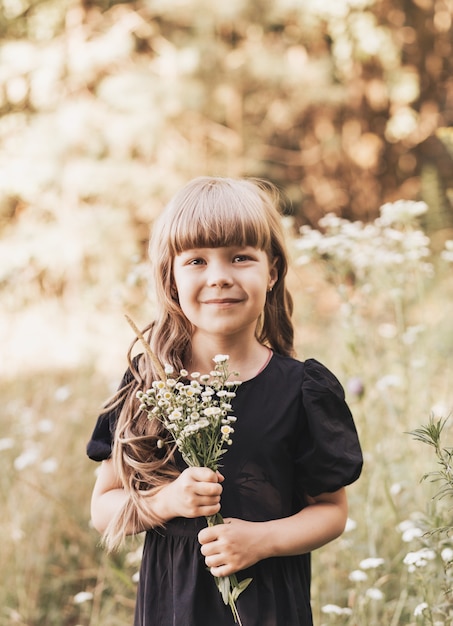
column 219, row 266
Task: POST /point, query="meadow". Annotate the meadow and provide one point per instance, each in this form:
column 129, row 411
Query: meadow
column 373, row 302
column 106, row 108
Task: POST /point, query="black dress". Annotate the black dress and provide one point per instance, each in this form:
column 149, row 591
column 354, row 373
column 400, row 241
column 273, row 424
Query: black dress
column 294, row 436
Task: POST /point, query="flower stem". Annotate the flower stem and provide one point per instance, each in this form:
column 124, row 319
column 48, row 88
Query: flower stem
column 228, row 586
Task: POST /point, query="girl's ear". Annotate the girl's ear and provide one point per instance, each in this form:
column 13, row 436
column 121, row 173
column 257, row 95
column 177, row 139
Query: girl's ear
column 273, row 272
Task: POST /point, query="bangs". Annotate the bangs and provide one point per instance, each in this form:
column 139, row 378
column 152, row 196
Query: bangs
column 211, row 213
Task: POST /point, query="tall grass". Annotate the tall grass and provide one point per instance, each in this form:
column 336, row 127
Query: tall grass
column 383, row 326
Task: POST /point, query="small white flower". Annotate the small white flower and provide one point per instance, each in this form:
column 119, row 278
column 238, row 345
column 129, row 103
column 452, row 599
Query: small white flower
column 184, row 373
column 6, row 443
column 390, row 380
column 27, row 458
column 419, row 558
column 332, row 609
column 221, row 358
column 160, row 444
column 195, row 374
column 374, row 594
column 357, row 576
column 168, row 369
column 396, row 489
column 412, row 533
column 212, row 411
column 440, row 410
column 49, row 466
column 82, row 596
column 447, row 555
column 45, row 426
column 420, row 608
column 62, row 393
column 371, row 563
column 405, row 525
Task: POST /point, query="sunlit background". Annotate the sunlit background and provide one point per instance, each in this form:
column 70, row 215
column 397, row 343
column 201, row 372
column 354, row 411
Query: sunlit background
column 106, row 109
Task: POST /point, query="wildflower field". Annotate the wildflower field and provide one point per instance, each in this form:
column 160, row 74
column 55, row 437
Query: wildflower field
column 107, row 107
column 373, row 301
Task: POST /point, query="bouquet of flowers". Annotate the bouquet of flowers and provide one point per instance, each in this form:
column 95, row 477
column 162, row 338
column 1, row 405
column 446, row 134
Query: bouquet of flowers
column 196, row 411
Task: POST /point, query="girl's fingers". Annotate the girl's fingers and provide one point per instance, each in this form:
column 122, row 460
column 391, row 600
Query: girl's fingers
column 208, row 489
column 203, row 474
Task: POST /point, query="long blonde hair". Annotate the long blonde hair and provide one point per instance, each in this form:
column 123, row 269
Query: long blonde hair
column 208, row 212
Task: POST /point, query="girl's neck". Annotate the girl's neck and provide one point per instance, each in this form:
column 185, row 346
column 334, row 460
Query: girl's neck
column 247, row 360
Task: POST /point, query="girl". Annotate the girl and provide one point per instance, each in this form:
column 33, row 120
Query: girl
column 219, row 267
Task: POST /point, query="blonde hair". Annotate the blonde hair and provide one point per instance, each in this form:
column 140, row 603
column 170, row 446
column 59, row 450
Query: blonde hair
column 208, row 212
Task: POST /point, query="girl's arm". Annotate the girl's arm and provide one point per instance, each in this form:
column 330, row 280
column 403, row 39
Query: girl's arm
column 195, row 493
column 237, row 544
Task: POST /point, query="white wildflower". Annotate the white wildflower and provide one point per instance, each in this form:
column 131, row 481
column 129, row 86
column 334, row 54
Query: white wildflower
column 49, row 466
column 412, row 533
column 447, row 555
column 401, row 211
column 212, row 411
column 333, row 609
column 27, row 458
column 418, row 559
column 374, row 594
column 396, row 489
column 45, row 426
column 6, row 443
column 220, row 358
column 420, row 608
column 358, row 576
column 62, row 393
column 371, row 563
column 82, row 596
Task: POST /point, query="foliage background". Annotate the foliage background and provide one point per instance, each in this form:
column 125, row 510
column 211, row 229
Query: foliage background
column 106, row 108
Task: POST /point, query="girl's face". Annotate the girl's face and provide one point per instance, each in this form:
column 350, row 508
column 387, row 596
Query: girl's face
column 222, row 291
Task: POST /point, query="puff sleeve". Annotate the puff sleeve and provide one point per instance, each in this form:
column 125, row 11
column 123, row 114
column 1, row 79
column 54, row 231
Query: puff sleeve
column 99, row 447
column 329, row 455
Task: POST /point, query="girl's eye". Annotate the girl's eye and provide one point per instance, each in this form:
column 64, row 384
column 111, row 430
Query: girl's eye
column 197, row 261
column 240, row 257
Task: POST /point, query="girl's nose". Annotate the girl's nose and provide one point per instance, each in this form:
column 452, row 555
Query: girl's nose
column 219, row 275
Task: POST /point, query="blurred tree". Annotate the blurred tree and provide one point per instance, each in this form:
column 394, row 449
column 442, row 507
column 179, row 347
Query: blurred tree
column 106, row 107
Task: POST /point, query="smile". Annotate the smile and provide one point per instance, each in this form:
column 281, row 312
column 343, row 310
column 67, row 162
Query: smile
column 222, row 301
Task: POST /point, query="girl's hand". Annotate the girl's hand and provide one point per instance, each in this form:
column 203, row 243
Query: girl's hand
column 195, row 493
column 231, row 546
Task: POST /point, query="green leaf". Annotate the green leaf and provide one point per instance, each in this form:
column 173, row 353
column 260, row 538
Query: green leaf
column 240, row 587
column 223, row 584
